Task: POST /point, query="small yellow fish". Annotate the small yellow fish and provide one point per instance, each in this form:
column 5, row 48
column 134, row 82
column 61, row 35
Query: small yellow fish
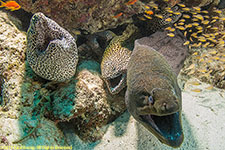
column 199, row 44
column 199, row 28
column 195, row 83
column 186, row 43
column 176, row 13
column 195, row 24
column 192, row 66
column 181, row 23
column 168, row 20
column 186, row 16
column 215, row 17
column 223, row 19
column 211, row 45
column 213, row 21
column 200, row 31
column 202, row 39
column 195, row 53
column 209, row 26
column 147, row 7
column 154, row 5
column 206, row 44
column 188, row 26
column 200, row 17
column 205, row 12
column 170, row 34
column 147, row 16
column 217, row 11
column 159, row 16
column 186, row 9
column 202, row 70
column 214, row 28
column 213, row 52
column 182, row 20
column 205, row 22
column 194, row 19
column 207, row 17
column 180, row 27
column 181, row 5
column 197, row 8
column 209, row 87
column 196, row 90
column 194, row 34
column 169, row 11
column 170, row 29
column 185, row 33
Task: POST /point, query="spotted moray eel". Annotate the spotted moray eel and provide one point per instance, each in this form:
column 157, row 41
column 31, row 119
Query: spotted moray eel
column 51, row 50
column 115, row 60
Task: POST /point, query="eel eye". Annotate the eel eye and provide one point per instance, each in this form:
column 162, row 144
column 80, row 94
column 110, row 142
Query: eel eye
column 150, row 99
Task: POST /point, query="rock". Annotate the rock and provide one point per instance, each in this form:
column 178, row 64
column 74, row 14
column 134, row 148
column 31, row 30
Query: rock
column 86, row 102
column 171, row 48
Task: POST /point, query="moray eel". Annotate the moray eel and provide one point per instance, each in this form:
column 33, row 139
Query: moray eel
column 153, row 96
column 51, row 50
column 115, row 60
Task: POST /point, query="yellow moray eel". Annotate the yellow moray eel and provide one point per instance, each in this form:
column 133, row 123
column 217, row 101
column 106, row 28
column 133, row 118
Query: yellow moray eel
column 153, row 97
column 115, row 60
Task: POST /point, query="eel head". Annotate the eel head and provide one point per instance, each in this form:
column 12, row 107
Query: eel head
column 159, row 110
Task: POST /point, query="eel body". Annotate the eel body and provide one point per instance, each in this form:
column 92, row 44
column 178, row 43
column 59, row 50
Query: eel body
column 115, row 60
column 153, row 96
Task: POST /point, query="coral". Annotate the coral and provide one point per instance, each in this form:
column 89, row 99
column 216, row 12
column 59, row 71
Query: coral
column 207, row 65
column 90, row 15
column 201, row 3
column 51, row 51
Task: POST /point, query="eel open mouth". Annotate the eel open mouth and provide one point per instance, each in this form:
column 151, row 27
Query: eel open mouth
column 116, row 84
column 115, row 81
column 167, row 128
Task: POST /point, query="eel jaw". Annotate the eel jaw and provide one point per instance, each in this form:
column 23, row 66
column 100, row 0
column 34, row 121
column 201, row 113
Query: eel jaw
column 115, row 85
column 167, row 129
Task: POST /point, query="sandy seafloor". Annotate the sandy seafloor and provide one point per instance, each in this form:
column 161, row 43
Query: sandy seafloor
column 203, row 125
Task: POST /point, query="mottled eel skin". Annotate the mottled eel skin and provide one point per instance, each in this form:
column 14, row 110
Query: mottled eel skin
column 115, row 60
column 153, row 97
column 51, row 50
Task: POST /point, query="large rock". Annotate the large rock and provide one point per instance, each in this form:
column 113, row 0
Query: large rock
column 86, row 103
column 17, row 90
column 171, row 48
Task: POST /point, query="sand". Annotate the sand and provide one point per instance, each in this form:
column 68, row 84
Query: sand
column 203, row 124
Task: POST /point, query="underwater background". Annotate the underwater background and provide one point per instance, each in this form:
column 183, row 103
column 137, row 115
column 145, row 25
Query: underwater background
column 66, row 76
